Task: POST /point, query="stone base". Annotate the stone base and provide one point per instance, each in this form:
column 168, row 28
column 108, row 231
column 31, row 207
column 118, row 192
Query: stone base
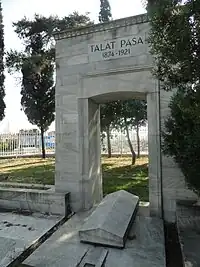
column 33, row 200
column 110, row 223
column 20, row 235
column 146, row 248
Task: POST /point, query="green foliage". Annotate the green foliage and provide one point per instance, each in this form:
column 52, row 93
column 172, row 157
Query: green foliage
column 39, row 32
column 175, row 41
column 132, row 114
column 117, row 174
column 108, row 122
column 38, row 91
column 2, row 77
column 109, row 115
column 175, row 44
column 105, row 11
column 182, row 139
column 135, row 112
column 37, row 65
column 123, row 115
column 107, row 110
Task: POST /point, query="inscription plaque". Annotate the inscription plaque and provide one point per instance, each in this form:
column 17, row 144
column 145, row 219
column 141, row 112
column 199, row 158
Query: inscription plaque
column 117, row 48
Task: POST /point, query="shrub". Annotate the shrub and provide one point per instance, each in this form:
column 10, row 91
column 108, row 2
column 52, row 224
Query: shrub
column 181, row 139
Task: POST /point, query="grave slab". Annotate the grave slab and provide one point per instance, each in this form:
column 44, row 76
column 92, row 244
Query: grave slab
column 110, row 222
column 18, row 232
column 63, row 248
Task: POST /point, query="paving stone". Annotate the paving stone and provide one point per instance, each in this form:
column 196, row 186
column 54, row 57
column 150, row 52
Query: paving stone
column 110, row 222
column 18, row 232
column 189, row 231
column 63, row 248
column 9, row 250
column 95, row 257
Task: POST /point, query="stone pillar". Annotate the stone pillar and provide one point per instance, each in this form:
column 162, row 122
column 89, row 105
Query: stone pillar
column 90, row 152
column 67, row 169
column 67, row 174
column 155, row 197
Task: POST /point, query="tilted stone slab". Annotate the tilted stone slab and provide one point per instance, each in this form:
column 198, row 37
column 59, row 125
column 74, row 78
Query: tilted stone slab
column 110, row 222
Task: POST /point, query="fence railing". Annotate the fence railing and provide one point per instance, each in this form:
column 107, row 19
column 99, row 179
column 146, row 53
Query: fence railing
column 119, row 143
column 25, row 143
column 28, row 143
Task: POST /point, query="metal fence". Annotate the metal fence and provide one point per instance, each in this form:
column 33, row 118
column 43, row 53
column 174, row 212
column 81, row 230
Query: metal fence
column 119, row 142
column 25, row 143
column 28, row 142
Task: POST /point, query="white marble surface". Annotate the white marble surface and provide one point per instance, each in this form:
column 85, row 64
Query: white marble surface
column 81, row 79
column 33, row 200
column 145, row 249
column 18, row 232
column 109, row 222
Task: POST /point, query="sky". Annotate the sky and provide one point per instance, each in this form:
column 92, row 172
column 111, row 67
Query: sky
column 14, row 10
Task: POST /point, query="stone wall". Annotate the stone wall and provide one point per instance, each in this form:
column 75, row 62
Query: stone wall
column 33, row 200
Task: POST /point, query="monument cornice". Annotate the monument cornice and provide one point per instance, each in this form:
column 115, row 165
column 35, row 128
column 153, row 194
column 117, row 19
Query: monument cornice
column 114, row 24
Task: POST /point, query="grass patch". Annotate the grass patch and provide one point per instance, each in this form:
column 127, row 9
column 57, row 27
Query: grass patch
column 28, row 170
column 117, row 173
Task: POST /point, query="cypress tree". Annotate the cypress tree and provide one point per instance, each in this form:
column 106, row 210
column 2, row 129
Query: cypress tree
column 105, row 11
column 2, row 77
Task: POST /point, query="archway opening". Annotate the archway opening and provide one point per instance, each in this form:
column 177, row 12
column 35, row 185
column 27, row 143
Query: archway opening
column 123, row 142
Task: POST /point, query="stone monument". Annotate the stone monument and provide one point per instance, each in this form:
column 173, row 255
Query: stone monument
column 96, row 64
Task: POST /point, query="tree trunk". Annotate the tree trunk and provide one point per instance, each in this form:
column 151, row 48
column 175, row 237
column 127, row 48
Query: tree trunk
column 129, row 143
column 108, row 142
column 43, row 146
column 138, row 141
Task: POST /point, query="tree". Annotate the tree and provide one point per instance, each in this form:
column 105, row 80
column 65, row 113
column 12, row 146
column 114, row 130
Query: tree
column 181, row 139
column 132, row 113
column 174, row 40
column 138, row 118
column 38, row 89
column 105, row 11
column 38, row 93
column 108, row 118
column 175, row 44
column 107, row 110
column 37, row 65
column 44, row 28
column 2, row 91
